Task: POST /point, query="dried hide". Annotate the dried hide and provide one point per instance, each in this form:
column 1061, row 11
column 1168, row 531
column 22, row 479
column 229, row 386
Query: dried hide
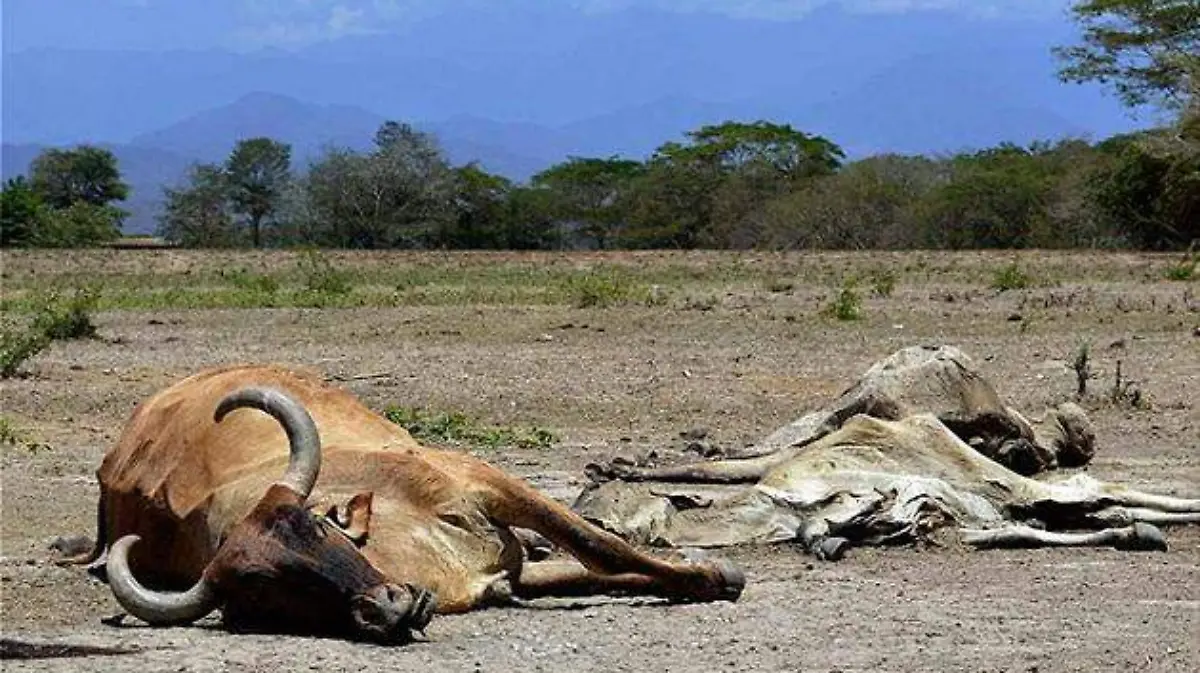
column 921, row 443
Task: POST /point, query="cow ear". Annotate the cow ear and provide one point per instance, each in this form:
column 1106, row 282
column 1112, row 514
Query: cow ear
column 357, row 521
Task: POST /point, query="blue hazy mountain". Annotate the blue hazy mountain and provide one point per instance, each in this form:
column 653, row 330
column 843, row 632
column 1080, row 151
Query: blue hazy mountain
column 521, row 85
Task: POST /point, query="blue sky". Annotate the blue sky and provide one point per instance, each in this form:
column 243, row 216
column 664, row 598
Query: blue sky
column 250, row 24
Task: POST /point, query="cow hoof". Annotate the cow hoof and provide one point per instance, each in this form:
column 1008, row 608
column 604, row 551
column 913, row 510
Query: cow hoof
column 71, row 546
column 832, row 548
column 733, row 580
column 1143, row 537
column 424, row 605
column 597, row 473
column 617, row 469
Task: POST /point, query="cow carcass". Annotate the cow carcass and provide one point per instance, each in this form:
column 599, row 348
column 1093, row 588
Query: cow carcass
column 365, row 535
column 921, row 444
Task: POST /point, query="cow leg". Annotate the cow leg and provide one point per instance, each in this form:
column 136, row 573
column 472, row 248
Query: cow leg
column 732, row 471
column 1138, row 537
column 1116, row 494
column 610, row 564
column 1151, row 501
column 565, row 578
column 96, row 557
column 1124, row 516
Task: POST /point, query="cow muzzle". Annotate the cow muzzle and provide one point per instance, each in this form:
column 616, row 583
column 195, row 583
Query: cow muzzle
column 389, row 613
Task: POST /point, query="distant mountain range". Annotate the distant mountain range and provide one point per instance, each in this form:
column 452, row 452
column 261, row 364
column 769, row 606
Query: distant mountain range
column 499, row 87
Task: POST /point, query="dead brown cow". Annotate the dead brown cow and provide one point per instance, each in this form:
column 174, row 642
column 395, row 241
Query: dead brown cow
column 921, row 443
column 191, row 500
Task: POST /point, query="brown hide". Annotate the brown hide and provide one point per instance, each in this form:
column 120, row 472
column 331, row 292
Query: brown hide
column 180, row 480
column 437, row 520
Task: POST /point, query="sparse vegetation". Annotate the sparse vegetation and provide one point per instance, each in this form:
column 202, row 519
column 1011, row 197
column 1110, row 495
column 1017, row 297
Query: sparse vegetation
column 1125, row 392
column 1010, row 277
column 1081, row 365
column 243, row 279
column 883, row 283
column 321, row 276
column 847, row 305
column 54, row 319
column 458, row 429
column 13, row 436
column 601, row 290
column 1187, row 268
column 18, row 346
column 68, row 318
column 9, row 435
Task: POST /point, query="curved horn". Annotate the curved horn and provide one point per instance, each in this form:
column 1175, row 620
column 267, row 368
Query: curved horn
column 155, row 607
column 303, row 439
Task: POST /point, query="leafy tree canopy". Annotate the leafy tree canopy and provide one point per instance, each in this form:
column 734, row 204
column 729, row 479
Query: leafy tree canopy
column 735, row 146
column 258, row 172
column 198, row 214
column 66, row 176
column 1148, row 51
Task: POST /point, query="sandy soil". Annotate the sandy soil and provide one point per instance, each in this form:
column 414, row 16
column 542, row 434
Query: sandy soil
column 627, row 380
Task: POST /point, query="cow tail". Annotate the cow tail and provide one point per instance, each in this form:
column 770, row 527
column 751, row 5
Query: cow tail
column 99, row 548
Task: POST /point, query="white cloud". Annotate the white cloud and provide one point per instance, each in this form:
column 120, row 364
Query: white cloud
column 791, row 9
column 294, row 23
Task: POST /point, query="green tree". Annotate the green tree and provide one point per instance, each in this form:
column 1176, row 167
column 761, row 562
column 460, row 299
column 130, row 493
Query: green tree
column 870, row 203
column 702, row 193
column 198, row 214
column 593, row 193
column 775, row 149
column 81, row 224
column 396, row 196
column 480, row 203
column 84, row 174
column 529, row 223
column 22, row 214
column 1148, row 51
column 25, row 220
column 1151, row 191
column 994, row 198
column 257, row 173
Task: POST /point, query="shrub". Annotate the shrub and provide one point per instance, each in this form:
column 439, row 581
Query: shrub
column 594, row 290
column 55, row 320
column 847, row 305
column 61, row 319
column 1010, row 277
column 459, row 429
column 883, row 283
column 11, row 435
column 321, row 276
column 1187, row 268
column 1081, row 363
column 18, row 346
column 252, row 282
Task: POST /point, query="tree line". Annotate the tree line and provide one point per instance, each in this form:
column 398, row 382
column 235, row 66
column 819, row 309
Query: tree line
column 732, row 185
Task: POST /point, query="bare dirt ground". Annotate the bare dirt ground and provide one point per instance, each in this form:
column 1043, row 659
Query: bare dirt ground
column 626, row 380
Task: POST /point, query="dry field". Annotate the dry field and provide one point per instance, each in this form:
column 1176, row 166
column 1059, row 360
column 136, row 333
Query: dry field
column 616, row 354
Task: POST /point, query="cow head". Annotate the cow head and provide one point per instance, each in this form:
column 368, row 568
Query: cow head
column 282, row 568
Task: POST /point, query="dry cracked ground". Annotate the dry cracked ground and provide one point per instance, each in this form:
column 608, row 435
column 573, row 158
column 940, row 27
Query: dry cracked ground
column 735, row 344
